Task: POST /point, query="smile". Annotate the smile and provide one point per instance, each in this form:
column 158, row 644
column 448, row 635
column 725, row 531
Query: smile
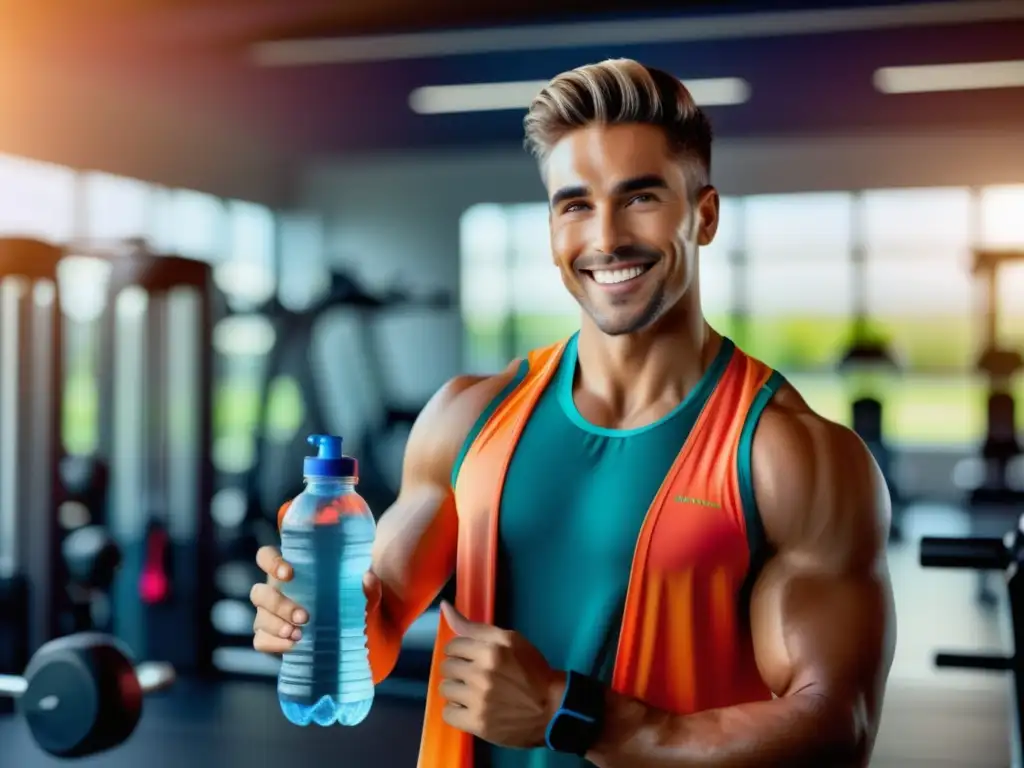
column 619, row 275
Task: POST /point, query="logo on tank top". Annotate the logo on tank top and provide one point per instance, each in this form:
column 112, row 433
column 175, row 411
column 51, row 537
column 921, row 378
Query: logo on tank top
column 698, row 502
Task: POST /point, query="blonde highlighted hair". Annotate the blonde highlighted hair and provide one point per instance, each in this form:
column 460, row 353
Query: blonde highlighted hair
column 619, row 91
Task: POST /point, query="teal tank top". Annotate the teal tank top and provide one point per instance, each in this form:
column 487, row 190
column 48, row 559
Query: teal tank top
column 573, row 504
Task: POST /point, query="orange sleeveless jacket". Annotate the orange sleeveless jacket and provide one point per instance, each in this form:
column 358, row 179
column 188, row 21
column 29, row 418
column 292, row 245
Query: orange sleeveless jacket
column 684, row 645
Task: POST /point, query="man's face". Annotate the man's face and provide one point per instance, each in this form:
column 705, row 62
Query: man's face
column 624, row 225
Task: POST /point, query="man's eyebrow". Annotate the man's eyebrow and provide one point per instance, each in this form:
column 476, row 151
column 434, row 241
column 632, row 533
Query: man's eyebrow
column 567, row 193
column 648, row 181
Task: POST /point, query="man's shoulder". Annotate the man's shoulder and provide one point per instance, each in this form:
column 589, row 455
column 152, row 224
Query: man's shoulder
column 466, row 396
column 809, row 471
column 441, row 429
column 789, row 422
column 461, row 401
column 450, row 415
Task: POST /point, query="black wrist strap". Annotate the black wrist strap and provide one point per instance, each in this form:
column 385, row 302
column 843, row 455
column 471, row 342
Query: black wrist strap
column 584, row 695
column 583, row 704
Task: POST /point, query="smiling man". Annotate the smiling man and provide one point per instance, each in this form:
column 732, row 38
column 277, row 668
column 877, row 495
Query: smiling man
column 663, row 556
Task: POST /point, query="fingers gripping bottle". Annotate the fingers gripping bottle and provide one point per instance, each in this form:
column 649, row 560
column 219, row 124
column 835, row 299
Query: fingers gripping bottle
column 326, row 535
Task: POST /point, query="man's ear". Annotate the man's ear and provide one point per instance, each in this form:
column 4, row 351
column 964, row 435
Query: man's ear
column 707, row 206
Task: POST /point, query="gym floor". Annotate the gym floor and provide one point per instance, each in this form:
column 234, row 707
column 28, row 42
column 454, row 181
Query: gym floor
column 944, row 719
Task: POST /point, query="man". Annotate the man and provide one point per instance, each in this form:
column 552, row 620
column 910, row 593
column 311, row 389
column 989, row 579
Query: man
column 663, row 557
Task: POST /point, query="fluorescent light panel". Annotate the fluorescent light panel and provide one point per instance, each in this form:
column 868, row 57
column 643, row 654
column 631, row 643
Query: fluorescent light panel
column 950, row 77
column 489, row 97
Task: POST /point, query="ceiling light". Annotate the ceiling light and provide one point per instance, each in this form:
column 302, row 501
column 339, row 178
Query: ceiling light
column 477, row 97
column 488, row 97
column 950, row 77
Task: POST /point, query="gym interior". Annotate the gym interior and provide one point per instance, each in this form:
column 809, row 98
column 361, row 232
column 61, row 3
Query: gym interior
column 226, row 226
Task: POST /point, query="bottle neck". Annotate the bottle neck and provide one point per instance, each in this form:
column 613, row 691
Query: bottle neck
column 319, row 484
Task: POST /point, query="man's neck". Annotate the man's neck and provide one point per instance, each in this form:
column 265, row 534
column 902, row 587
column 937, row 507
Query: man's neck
column 647, row 372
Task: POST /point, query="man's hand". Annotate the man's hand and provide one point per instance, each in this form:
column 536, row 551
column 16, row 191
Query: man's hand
column 279, row 621
column 497, row 685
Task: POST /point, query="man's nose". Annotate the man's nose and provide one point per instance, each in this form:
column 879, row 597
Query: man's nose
column 609, row 233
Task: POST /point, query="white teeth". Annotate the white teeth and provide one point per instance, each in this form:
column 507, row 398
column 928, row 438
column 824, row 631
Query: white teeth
column 610, row 276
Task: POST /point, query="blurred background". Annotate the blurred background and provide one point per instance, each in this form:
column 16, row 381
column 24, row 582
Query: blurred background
column 226, row 225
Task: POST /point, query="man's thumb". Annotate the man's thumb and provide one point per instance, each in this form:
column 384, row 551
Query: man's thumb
column 460, row 624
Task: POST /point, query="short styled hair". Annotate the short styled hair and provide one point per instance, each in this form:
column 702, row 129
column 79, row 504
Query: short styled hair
column 620, row 91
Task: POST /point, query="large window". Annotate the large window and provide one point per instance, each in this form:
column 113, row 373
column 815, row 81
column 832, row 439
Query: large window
column 247, row 273
column 798, row 291
column 486, row 287
column 197, row 225
column 115, row 207
column 919, row 293
column 1002, row 226
column 304, row 275
column 784, row 277
column 36, row 199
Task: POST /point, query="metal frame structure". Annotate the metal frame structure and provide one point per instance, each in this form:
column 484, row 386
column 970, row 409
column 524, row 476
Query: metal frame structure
column 31, row 417
column 156, row 387
column 989, row 554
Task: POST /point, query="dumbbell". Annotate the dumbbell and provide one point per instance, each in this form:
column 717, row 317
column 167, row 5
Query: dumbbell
column 81, row 694
column 92, row 557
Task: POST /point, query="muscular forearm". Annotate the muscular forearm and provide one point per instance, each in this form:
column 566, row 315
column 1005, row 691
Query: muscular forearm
column 414, row 556
column 798, row 730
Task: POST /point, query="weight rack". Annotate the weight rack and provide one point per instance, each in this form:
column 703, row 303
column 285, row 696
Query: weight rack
column 989, row 554
column 156, row 376
column 31, row 409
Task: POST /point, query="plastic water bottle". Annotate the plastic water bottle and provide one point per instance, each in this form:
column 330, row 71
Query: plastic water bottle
column 327, row 535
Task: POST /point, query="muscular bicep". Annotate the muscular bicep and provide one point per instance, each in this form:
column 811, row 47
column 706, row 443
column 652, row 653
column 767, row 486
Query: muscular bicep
column 818, row 630
column 822, row 609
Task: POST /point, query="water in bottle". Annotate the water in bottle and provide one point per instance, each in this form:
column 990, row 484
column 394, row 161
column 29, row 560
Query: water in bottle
column 327, row 535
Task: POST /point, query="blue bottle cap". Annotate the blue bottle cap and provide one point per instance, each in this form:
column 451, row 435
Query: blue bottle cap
column 329, row 461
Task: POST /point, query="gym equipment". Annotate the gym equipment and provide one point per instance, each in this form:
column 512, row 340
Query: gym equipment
column 1000, row 364
column 14, row 613
column 92, row 558
column 86, row 482
column 294, row 333
column 867, row 358
column 81, row 694
column 154, row 582
column 155, row 377
column 31, row 363
column 994, row 500
column 989, row 554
